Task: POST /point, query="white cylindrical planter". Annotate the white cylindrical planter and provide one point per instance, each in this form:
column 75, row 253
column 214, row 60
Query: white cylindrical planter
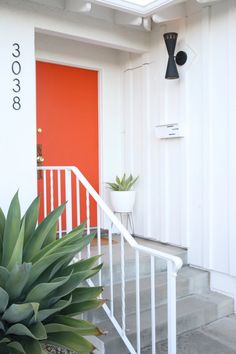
column 123, row 202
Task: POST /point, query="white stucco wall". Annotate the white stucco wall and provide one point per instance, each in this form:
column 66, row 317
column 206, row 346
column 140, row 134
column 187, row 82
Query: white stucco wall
column 192, row 179
column 18, row 130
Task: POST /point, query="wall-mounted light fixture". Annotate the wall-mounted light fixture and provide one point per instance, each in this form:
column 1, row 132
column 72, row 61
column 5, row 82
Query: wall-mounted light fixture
column 180, row 58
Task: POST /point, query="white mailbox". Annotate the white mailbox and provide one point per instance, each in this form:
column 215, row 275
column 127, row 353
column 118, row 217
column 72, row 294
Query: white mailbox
column 167, row 131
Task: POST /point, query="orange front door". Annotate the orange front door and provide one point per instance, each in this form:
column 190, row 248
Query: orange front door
column 67, row 122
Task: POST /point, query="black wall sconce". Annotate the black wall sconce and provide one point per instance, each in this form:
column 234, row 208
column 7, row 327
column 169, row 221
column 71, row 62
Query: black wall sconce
column 180, row 58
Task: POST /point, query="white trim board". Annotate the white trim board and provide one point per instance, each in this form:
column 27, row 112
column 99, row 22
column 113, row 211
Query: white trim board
column 149, row 7
column 127, row 6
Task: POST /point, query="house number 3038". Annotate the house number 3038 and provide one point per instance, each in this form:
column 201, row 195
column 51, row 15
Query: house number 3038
column 16, row 70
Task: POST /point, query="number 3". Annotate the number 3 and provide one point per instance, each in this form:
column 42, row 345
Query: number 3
column 17, row 89
column 17, row 50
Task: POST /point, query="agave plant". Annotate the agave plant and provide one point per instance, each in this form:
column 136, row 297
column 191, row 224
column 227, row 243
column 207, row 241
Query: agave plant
column 123, row 184
column 41, row 289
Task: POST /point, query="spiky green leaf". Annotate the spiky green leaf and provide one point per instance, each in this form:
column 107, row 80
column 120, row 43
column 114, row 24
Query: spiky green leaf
column 35, row 243
column 60, row 305
column 72, row 283
column 81, row 265
column 122, row 184
column 17, row 279
column 4, row 299
column 2, row 227
column 42, row 290
column 82, row 327
column 55, row 246
column 51, row 236
column 17, row 254
column 32, row 347
column 12, row 229
column 45, row 262
column 36, row 293
column 36, row 331
column 31, row 218
column 77, row 308
column 4, row 276
column 19, row 312
column 86, row 293
column 2, row 327
column 16, row 348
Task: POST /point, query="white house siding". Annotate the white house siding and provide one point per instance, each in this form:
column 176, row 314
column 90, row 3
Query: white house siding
column 193, row 179
column 19, row 21
column 187, row 190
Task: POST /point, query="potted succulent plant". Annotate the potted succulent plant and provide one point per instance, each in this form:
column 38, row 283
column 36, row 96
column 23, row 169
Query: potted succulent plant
column 122, row 195
column 41, row 290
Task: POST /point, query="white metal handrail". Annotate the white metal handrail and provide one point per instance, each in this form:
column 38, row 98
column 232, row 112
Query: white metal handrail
column 173, row 263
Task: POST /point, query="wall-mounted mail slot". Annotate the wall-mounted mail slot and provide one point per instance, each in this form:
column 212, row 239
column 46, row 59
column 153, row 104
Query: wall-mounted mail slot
column 167, row 131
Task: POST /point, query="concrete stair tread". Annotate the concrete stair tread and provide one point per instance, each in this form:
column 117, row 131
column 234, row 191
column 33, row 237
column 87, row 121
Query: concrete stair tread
column 217, row 337
column 130, row 252
column 162, row 247
column 225, row 329
column 189, row 281
column 130, row 264
column 193, row 312
column 130, row 259
column 186, row 274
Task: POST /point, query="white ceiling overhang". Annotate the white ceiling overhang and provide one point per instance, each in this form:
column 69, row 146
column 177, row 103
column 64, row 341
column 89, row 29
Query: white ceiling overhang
column 143, row 7
column 140, row 7
column 130, row 13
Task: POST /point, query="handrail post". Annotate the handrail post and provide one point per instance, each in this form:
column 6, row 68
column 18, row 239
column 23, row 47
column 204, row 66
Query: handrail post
column 138, row 327
column 69, row 201
column 153, row 305
column 171, row 279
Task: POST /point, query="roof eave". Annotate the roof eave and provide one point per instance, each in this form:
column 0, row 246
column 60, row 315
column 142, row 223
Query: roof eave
column 143, row 11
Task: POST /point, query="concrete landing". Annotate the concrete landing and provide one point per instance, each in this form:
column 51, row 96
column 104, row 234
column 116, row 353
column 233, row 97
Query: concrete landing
column 218, row 337
column 130, row 253
column 130, row 261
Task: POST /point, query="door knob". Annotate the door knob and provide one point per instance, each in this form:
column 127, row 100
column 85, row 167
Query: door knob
column 40, row 159
column 39, row 130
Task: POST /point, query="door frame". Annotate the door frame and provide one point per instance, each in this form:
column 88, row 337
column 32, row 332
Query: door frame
column 99, row 70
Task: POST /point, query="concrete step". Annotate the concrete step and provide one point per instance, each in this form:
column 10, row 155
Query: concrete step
column 193, row 312
column 189, row 281
column 130, row 265
column 215, row 338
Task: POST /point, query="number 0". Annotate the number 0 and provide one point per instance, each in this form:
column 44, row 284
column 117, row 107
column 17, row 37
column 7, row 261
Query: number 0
column 16, row 67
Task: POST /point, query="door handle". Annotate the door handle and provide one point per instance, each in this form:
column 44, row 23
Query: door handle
column 40, row 159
